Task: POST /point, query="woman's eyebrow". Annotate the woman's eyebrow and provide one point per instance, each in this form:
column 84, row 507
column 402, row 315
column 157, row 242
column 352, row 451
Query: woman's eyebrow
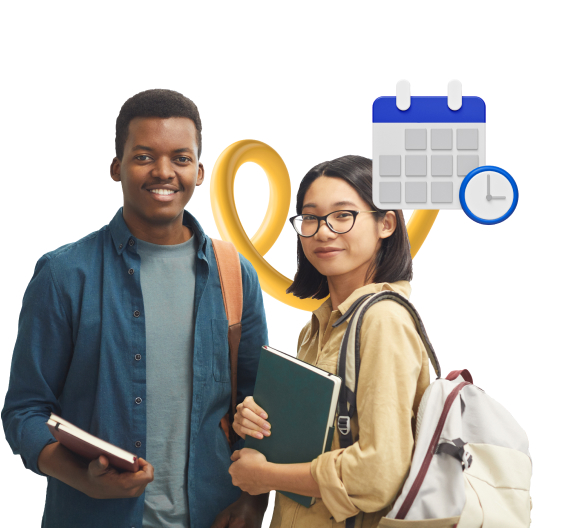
column 336, row 204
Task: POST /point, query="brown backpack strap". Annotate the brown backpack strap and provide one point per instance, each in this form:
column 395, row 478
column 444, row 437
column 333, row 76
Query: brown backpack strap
column 229, row 267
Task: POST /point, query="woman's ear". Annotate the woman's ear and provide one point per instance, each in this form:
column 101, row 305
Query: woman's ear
column 388, row 224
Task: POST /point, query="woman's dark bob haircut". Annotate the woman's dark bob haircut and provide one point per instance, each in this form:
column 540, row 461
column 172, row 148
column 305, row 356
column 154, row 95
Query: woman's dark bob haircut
column 392, row 260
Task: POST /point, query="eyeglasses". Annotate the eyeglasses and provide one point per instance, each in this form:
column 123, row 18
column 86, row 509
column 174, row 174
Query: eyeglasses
column 340, row 222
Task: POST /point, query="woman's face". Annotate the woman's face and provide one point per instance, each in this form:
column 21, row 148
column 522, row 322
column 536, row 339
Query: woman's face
column 335, row 255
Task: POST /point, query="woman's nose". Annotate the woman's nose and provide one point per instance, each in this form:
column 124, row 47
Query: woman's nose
column 324, row 232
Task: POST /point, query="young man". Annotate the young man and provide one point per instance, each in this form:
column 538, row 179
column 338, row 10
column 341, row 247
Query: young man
column 124, row 334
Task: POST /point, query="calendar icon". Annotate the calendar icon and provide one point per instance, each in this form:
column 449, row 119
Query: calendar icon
column 423, row 147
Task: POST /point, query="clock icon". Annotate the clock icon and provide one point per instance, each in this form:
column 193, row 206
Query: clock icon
column 489, row 195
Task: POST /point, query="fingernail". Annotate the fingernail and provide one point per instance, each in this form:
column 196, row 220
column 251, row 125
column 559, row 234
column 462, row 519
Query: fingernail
column 266, row 426
column 264, row 415
column 259, row 436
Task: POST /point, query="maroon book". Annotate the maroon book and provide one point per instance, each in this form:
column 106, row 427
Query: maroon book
column 89, row 446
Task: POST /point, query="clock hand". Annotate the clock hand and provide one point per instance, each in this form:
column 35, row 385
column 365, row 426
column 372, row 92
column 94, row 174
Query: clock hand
column 498, row 197
column 488, row 188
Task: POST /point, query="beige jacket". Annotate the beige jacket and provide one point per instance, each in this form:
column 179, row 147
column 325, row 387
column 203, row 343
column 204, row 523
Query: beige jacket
column 365, row 478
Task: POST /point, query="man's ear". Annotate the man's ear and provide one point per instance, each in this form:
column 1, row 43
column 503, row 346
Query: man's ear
column 388, row 224
column 115, row 170
column 200, row 175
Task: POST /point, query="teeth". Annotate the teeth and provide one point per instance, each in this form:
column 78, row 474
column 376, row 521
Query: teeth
column 162, row 191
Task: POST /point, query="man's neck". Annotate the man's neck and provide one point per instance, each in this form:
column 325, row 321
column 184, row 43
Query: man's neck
column 167, row 234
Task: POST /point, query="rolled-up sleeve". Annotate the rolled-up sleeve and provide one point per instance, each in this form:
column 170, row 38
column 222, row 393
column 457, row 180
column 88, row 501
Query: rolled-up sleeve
column 368, row 475
column 40, row 364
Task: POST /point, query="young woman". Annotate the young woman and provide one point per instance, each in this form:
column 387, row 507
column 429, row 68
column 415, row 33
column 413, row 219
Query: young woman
column 347, row 248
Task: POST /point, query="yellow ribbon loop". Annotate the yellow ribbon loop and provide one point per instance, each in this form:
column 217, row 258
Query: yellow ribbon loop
column 231, row 229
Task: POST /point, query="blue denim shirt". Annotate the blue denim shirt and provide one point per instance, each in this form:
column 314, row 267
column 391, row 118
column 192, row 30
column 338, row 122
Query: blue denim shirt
column 80, row 353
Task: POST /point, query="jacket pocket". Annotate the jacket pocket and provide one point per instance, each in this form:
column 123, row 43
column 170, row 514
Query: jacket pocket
column 221, row 365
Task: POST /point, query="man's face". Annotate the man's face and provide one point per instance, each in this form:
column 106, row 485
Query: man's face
column 158, row 171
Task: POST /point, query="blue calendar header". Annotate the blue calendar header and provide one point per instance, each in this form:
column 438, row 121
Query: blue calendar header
column 425, row 109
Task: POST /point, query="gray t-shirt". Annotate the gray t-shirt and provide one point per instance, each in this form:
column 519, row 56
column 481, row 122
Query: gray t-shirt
column 167, row 276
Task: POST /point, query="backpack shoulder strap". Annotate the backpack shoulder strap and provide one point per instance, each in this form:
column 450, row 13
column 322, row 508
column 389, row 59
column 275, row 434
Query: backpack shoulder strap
column 229, row 267
column 348, row 362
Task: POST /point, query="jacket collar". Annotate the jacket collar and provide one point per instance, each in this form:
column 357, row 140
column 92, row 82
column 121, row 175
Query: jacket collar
column 121, row 235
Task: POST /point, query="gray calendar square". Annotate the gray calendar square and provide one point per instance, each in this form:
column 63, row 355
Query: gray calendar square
column 442, row 192
column 441, row 139
column 399, row 158
column 467, row 163
column 415, row 192
column 466, row 138
column 415, row 139
column 442, row 165
column 389, row 165
column 389, row 192
column 415, row 165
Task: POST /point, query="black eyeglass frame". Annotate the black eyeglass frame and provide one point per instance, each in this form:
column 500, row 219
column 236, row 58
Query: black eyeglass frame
column 324, row 218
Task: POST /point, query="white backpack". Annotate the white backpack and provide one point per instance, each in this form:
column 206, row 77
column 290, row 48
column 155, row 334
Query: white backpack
column 471, row 466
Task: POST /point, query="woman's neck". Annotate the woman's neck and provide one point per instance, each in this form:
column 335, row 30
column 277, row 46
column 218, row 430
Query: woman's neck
column 342, row 286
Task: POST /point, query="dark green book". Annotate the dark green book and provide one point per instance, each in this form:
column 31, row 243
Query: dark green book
column 300, row 401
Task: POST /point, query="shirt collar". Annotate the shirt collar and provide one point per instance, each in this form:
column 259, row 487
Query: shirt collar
column 121, row 235
column 323, row 313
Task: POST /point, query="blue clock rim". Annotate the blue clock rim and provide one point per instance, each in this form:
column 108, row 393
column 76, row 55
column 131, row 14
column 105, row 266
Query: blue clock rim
column 470, row 176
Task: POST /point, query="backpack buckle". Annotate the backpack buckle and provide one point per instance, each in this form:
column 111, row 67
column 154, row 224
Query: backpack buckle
column 344, row 424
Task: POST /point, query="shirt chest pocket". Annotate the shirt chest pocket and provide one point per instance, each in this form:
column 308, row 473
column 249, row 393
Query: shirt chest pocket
column 220, row 352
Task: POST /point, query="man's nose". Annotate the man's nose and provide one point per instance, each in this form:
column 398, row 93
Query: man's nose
column 163, row 169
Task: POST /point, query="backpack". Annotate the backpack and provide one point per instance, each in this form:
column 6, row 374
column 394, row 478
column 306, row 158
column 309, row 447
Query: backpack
column 229, row 267
column 471, row 465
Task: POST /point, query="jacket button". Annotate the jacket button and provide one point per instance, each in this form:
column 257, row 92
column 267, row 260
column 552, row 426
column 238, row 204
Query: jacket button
column 131, row 242
column 138, row 443
column 138, row 400
column 136, row 313
column 137, row 357
column 130, row 271
column 120, row 246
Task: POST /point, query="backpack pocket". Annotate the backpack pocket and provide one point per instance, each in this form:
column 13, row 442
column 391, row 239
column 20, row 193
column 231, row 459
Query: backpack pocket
column 449, row 522
column 500, row 479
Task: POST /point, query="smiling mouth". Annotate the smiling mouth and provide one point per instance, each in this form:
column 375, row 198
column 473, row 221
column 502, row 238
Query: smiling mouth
column 162, row 191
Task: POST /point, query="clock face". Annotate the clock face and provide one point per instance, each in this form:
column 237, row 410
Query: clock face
column 490, row 195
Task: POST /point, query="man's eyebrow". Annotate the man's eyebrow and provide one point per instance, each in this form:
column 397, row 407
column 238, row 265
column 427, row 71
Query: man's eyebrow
column 142, row 147
column 176, row 151
column 336, row 204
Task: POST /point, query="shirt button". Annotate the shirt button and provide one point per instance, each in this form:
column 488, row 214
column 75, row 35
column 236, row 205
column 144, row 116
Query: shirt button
column 131, row 242
column 138, row 400
column 130, row 271
column 120, row 246
column 137, row 357
column 136, row 313
column 138, row 443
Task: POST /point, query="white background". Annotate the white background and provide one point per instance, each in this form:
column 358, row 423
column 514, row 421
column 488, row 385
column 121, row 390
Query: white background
column 302, row 77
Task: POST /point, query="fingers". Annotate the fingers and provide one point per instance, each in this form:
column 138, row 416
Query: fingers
column 147, row 469
column 249, row 421
column 236, row 455
column 98, row 466
column 257, row 409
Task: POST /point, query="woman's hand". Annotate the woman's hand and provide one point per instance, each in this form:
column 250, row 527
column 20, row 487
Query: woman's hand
column 250, row 419
column 246, row 471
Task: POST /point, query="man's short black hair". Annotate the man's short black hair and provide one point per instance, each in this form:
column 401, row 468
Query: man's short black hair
column 155, row 103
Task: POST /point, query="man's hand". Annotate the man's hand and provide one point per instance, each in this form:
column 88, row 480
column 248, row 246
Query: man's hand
column 246, row 471
column 246, row 512
column 98, row 480
column 105, row 482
